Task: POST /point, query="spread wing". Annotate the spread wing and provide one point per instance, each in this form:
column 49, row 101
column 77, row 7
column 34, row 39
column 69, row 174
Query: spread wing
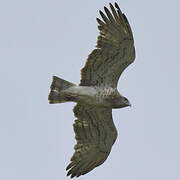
column 95, row 135
column 115, row 50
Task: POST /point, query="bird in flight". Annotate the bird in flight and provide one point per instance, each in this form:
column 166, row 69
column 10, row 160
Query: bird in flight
column 97, row 93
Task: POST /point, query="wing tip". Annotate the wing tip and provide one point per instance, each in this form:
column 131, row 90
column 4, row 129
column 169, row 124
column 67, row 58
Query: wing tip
column 68, row 173
column 100, row 22
column 105, row 8
column 116, row 5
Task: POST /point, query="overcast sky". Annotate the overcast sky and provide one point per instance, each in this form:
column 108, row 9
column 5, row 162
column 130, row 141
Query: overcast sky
column 42, row 38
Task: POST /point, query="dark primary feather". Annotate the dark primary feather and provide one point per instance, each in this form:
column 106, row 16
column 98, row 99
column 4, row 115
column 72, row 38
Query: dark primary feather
column 95, row 134
column 115, row 50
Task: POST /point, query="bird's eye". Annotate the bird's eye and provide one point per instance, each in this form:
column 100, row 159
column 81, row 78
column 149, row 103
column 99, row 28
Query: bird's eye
column 126, row 99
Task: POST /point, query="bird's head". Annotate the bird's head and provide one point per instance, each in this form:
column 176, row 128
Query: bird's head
column 120, row 102
column 126, row 102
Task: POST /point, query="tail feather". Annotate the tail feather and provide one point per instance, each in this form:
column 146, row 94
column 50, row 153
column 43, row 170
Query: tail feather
column 57, row 86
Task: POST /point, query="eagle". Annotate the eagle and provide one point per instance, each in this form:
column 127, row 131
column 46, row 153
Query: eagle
column 97, row 93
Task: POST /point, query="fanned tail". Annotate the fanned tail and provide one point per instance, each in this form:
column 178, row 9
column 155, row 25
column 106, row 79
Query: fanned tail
column 58, row 85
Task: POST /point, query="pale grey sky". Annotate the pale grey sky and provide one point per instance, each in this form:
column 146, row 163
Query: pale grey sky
column 41, row 38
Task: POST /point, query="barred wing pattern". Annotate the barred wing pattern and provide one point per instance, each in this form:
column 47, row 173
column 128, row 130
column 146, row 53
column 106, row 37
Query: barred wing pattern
column 115, row 50
column 95, row 135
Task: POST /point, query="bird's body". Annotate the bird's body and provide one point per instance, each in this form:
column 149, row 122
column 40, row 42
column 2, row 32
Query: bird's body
column 97, row 93
column 97, row 96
